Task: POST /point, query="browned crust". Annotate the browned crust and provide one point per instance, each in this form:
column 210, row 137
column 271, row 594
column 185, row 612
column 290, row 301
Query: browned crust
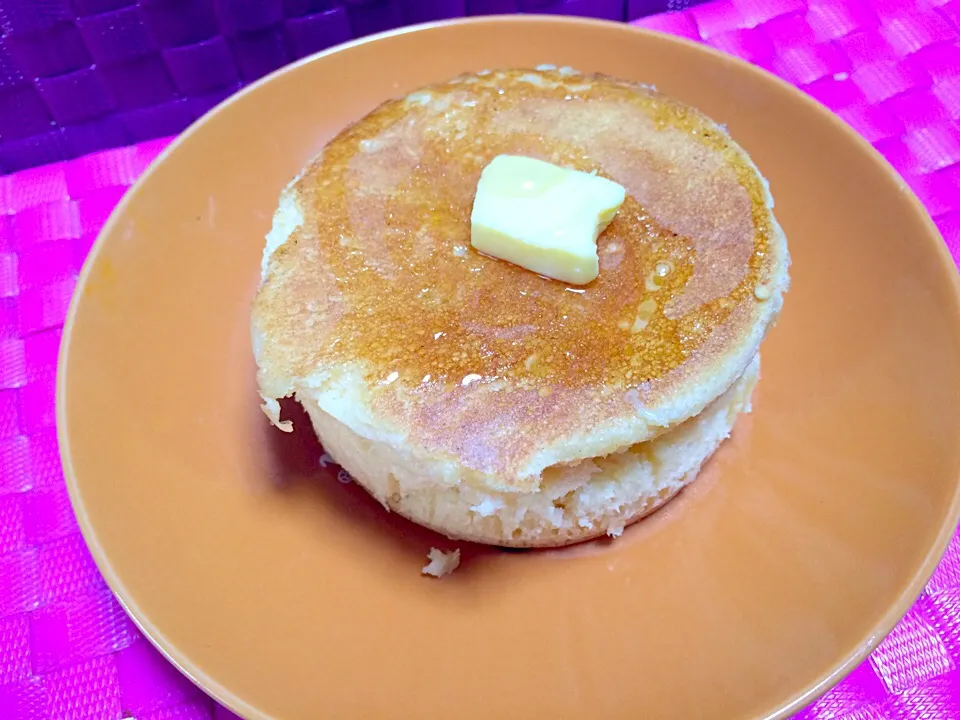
column 694, row 200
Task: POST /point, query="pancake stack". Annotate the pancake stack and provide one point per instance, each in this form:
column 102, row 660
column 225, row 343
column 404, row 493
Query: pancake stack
column 478, row 398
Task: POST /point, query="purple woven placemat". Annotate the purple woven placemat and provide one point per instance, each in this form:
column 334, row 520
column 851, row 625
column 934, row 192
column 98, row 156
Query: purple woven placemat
column 83, row 75
column 68, row 651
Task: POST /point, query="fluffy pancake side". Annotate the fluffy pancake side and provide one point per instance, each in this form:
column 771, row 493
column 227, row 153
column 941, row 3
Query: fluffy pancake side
column 374, row 311
column 577, row 502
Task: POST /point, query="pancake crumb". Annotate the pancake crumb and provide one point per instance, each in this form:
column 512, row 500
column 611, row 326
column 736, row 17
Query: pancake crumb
column 441, row 563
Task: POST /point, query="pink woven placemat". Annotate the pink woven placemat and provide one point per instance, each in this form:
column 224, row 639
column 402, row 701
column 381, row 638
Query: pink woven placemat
column 68, row 651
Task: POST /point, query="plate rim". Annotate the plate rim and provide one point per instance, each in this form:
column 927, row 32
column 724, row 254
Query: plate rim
column 825, row 681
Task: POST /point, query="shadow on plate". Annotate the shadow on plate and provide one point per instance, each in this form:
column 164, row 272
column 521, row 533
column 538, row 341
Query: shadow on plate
column 300, row 469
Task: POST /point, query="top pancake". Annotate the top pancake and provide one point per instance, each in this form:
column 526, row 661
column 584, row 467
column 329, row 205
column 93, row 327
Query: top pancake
column 374, row 304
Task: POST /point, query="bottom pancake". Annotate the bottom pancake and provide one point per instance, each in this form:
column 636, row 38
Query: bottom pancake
column 598, row 496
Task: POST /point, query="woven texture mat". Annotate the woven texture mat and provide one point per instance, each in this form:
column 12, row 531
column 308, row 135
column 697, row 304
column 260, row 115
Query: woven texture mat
column 68, row 651
column 77, row 76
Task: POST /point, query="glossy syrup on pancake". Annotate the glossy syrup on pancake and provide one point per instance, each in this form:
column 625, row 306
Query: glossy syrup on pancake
column 381, row 272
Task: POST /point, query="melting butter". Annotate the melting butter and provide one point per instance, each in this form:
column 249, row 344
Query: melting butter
column 543, row 217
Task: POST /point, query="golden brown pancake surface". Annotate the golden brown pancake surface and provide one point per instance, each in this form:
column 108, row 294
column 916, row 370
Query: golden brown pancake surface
column 483, row 361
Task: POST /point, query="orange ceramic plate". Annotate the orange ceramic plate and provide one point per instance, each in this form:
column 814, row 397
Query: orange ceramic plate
column 289, row 595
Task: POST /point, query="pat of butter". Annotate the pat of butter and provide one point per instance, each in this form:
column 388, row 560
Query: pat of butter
column 542, row 217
